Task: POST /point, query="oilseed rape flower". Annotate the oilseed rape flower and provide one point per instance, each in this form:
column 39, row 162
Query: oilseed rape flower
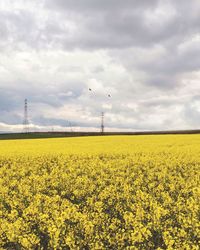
column 115, row 192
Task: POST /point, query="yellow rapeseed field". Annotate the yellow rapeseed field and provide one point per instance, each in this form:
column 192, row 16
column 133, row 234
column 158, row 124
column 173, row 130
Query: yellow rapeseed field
column 120, row 192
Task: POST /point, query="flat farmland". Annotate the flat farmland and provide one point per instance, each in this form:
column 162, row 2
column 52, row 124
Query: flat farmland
column 113, row 192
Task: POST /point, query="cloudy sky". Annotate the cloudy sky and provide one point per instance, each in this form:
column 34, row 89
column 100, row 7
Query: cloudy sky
column 145, row 53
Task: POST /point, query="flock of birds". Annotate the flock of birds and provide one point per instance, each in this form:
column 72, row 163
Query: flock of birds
column 92, row 90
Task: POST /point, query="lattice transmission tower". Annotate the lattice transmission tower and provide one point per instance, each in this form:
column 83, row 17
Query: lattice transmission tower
column 25, row 121
column 102, row 123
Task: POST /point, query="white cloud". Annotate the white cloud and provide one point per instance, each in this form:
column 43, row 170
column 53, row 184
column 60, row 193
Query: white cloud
column 145, row 54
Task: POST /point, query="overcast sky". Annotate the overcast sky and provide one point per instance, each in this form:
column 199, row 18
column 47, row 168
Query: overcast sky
column 145, row 53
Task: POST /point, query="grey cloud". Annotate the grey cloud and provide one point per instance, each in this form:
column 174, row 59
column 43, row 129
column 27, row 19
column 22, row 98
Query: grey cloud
column 164, row 71
column 18, row 27
column 174, row 62
column 141, row 51
column 107, row 24
column 95, row 5
column 39, row 98
column 95, row 24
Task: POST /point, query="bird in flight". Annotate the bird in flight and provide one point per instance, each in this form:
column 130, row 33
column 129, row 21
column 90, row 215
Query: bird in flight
column 91, row 91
